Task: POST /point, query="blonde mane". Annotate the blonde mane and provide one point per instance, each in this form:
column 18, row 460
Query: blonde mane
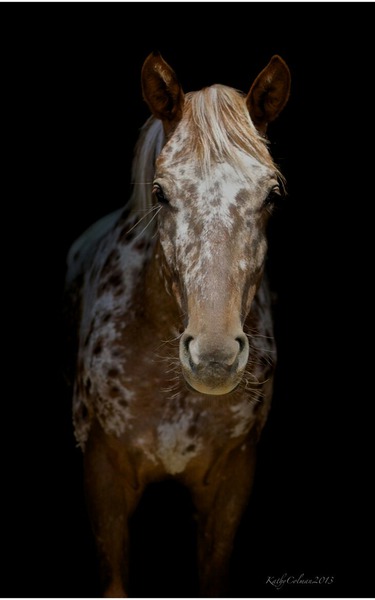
column 219, row 123
column 149, row 145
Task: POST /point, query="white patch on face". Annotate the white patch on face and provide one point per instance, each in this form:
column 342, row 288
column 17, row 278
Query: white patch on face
column 214, row 207
column 173, row 444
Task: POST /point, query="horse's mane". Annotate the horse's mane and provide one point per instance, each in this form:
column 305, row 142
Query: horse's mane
column 219, row 128
column 147, row 149
column 219, row 124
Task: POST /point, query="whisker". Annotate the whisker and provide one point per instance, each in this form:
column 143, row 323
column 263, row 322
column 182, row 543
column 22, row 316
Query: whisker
column 254, row 332
column 170, row 341
column 262, row 349
column 153, row 208
column 148, row 208
column 149, row 223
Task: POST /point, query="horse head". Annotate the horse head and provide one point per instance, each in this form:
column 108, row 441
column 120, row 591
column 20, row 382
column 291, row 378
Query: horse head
column 215, row 183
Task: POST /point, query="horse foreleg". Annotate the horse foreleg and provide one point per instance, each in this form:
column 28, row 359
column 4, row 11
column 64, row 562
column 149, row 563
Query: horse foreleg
column 110, row 500
column 220, row 505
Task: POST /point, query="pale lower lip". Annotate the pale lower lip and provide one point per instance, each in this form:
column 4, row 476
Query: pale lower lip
column 210, row 393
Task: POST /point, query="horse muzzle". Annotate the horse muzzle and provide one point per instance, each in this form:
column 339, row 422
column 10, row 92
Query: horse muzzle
column 213, row 364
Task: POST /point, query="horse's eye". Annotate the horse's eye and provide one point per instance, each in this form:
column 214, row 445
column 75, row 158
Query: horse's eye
column 159, row 194
column 272, row 196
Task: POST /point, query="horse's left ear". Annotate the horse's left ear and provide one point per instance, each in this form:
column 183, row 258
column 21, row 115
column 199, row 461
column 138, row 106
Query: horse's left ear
column 269, row 93
column 161, row 90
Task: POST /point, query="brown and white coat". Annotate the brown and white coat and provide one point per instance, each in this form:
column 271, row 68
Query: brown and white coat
column 171, row 322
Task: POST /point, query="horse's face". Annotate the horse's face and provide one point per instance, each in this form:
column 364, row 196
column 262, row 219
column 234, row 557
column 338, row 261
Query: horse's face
column 212, row 232
column 212, row 222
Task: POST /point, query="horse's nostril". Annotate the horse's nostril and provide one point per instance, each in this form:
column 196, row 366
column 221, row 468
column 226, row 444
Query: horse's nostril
column 215, row 353
column 186, row 342
column 241, row 341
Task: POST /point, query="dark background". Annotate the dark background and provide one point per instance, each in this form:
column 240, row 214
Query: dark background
column 72, row 108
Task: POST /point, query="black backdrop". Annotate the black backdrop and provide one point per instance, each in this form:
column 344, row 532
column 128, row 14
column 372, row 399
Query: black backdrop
column 72, row 108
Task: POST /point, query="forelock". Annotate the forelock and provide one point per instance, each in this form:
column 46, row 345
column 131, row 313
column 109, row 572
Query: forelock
column 220, row 129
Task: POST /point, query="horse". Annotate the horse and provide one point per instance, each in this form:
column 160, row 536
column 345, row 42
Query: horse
column 169, row 321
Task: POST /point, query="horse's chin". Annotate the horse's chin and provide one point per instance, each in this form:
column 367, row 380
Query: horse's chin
column 211, row 388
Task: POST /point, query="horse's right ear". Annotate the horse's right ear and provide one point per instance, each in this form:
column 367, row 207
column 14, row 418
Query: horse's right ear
column 269, row 93
column 161, row 90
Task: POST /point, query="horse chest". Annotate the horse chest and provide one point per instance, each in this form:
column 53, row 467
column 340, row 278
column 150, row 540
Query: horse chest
column 193, row 434
column 172, row 433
